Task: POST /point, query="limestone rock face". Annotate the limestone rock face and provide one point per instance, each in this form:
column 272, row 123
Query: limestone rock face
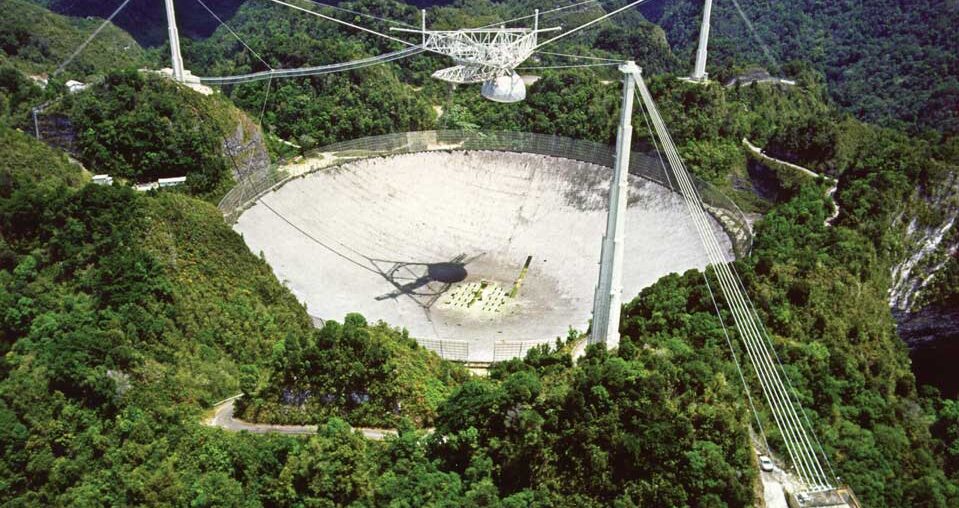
column 246, row 149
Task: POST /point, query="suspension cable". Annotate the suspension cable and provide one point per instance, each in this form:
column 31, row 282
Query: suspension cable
column 590, row 23
column 659, row 153
column 543, row 13
column 345, row 23
column 782, row 404
column 582, row 57
column 571, row 66
column 237, row 36
column 762, row 45
column 266, row 98
column 712, row 296
column 772, row 386
column 363, row 14
column 89, row 39
column 729, row 343
column 802, row 410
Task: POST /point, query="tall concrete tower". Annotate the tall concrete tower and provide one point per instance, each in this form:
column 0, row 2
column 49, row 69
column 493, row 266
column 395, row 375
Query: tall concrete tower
column 699, row 71
column 174, row 42
column 607, row 302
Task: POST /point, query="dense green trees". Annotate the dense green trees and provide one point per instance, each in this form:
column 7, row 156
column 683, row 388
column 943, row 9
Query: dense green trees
column 369, row 375
column 322, row 109
column 17, row 95
column 122, row 314
column 883, row 61
column 37, row 41
column 596, row 434
column 143, row 128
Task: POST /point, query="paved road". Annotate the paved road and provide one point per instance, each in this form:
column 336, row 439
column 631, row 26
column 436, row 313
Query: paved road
column 223, row 418
column 829, row 193
column 773, row 493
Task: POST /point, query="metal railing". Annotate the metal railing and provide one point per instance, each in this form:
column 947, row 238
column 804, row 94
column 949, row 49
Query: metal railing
column 480, row 352
column 644, row 165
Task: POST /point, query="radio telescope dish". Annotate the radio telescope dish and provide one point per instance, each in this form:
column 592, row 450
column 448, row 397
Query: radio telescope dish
column 509, row 88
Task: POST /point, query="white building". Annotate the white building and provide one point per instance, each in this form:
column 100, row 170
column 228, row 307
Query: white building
column 74, row 86
column 171, row 182
column 103, row 179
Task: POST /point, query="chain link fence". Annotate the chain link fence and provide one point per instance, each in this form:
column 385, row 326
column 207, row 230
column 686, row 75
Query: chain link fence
column 645, row 165
column 642, row 164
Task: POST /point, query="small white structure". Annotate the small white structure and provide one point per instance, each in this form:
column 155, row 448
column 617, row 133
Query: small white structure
column 74, row 86
column 171, row 182
column 103, row 179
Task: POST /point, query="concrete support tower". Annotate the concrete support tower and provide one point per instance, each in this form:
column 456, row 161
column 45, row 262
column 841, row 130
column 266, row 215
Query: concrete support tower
column 607, row 303
column 699, row 72
column 174, row 42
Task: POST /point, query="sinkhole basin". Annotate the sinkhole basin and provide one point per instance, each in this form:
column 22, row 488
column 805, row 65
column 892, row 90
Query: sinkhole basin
column 479, row 254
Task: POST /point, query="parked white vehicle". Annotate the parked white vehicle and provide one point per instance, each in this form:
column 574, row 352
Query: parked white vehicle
column 766, row 464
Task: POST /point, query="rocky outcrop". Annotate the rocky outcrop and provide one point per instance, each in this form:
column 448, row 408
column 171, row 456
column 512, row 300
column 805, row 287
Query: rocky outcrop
column 926, row 326
column 57, row 130
column 930, row 233
column 246, row 149
column 931, row 247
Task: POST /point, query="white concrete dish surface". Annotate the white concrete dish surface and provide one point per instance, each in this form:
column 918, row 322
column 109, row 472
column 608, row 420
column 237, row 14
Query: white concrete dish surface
column 435, row 242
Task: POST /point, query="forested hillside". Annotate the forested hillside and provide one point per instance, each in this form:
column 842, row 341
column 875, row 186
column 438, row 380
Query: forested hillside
column 37, row 42
column 124, row 315
column 142, row 127
column 146, row 20
column 884, row 61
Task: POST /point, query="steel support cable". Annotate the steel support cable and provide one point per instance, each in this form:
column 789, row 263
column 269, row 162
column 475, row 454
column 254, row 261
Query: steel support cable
column 712, row 296
column 312, row 71
column 345, row 23
column 319, row 241
column 753, row 318
column 571, row 66
column 659, row 153
column 266, row 98
column 543, row 13
column 762, row 45
column 792, row 429
column 587, row 24
column 89, row 39
column 787, row 425
column 363, row 14
column 789, row 431
column 757, row 366
column 788, row 381
column 732, row 351
column 582, row 57
column 235, row 35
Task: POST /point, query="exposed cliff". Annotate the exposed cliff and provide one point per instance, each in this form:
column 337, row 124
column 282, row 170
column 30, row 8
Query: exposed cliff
column 924, row 295
column 931, row 238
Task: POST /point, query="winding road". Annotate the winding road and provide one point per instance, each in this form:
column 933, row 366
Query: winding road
column 829, row 192
column 224, row 419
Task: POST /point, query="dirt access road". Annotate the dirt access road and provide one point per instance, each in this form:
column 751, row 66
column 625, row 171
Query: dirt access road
column 224, row 419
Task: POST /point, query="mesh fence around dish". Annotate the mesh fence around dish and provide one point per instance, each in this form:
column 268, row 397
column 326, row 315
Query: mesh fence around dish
column 645, row 165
